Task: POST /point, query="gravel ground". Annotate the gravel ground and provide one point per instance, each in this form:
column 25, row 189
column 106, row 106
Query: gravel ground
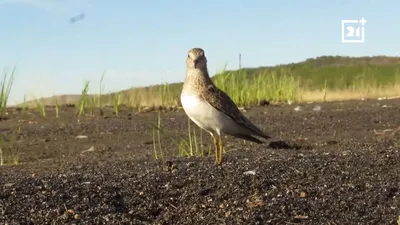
column 331, row 163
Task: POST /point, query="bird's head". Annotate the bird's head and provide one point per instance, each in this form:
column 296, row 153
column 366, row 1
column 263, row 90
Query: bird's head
column 196, row 59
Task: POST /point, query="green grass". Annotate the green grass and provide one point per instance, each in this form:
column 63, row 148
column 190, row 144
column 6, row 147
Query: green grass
column 186, row 146
column 157, row 129
column 41, row 107
column 24, row 105
column 100, row 95
column 193, row 145
column 5, row 89
column 83, row 99
column 9, row 149
column 1, row 157
column 116, row 103
column 276, row 86
column 57, row 109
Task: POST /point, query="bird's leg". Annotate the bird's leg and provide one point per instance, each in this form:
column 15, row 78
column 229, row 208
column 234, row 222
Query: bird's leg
column 221, row 148
column 216, row 146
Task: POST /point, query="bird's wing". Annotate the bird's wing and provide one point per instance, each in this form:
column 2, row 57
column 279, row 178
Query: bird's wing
column 222, row 102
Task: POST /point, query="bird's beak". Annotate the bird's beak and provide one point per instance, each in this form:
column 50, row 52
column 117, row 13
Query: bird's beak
column 195, row 63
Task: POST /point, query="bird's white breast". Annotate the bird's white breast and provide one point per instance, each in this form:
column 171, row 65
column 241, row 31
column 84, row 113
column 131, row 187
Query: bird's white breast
column 206, row 116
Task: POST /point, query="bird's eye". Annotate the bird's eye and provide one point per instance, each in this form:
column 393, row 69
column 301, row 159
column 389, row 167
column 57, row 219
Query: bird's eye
column 188, row 56
column 211, row 88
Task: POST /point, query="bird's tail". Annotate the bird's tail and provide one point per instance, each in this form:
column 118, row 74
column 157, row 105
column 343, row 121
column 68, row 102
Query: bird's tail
column 248, row 138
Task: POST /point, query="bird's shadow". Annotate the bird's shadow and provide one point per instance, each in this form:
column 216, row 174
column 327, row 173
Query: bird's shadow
column 283, row 145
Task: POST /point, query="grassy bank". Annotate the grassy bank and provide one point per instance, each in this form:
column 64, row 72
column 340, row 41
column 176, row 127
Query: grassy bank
column 325, row 78
column 301, row 82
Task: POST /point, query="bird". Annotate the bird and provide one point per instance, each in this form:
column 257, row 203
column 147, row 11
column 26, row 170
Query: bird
column 77, row 18
column 211, row 108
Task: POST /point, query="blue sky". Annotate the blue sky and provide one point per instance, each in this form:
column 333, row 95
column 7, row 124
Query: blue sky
column 139, row 43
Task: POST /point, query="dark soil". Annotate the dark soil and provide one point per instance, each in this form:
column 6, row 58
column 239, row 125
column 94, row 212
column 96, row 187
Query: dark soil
column 338, row 165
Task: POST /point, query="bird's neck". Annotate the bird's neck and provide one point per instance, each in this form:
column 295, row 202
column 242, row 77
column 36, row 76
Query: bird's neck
column 197, row 78
column 197, row 74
